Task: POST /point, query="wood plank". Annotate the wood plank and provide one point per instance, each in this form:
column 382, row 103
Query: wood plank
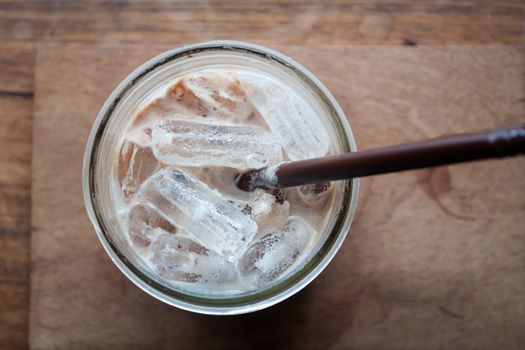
column 15, row 176
column 433, row 260
column 16, row 64
column 332, row 22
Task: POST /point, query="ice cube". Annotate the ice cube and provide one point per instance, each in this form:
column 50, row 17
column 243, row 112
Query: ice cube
column 140, row 136
column 314, row 192
column 268, row 212
column 271, row 256
column 203, row 94
column 222, row 93
column 145, row 224
column 135, row 164
column 182, row 259
column 297, row 125
column 188, row 203
column 194, row 144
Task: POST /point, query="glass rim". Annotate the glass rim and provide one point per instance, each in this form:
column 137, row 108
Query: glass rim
column 292, row 283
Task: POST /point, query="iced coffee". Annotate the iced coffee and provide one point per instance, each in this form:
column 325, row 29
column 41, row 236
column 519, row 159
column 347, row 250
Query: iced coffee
column 174, row 181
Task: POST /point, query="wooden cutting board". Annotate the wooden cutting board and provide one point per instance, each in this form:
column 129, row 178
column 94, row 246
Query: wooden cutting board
column 434, row 259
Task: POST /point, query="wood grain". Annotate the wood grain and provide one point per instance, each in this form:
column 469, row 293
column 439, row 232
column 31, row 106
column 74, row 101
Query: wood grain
column 15, row 157
column 17, row 64
column 290, row 21
column 25, row 24
column 434, row 258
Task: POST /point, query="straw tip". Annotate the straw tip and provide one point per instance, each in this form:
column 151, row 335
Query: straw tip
column 245, row 181
column 257, row 178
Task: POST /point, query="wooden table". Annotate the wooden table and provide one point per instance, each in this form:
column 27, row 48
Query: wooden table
column 24, row 25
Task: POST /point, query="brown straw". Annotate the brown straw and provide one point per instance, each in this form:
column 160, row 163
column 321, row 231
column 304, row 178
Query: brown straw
column 442, row 150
